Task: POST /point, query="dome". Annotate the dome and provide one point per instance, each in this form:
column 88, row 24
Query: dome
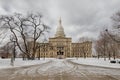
column 60, row 30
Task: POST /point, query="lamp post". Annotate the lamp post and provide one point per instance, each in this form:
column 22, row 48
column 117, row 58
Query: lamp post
column 13, row 55
column 115, row 39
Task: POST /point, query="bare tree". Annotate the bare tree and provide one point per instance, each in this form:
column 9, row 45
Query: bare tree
column 99, row 48
column 106, row 47
column 116, row 20
column 3, row 35
column 114, row 34
column 24, row 28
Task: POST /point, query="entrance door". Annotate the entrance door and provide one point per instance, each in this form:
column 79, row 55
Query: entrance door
column 60, row 54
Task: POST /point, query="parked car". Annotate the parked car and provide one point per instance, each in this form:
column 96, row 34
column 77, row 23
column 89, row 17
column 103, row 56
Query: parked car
column 118, row 61
column 113, row 61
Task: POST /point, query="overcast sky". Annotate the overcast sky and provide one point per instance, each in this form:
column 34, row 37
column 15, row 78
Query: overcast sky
column 79, row 17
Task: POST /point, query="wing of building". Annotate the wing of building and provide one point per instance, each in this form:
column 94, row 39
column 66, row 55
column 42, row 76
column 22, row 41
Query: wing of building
column 61, row 46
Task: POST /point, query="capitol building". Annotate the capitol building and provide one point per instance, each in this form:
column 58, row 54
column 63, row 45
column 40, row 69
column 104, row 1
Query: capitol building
column 61, row 46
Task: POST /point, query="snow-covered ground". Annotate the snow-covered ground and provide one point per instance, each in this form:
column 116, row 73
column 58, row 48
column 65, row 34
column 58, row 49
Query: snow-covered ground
column 96, row 62
column 59, row 69
column 6, row 63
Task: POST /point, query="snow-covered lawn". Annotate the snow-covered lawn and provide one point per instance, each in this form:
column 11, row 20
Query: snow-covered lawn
column 96, row 62
column 6, row 63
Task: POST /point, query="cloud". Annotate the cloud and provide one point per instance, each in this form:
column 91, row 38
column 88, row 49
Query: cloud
column 79, row 17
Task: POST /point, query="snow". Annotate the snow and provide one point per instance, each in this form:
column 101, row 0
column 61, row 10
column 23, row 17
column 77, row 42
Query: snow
column 59, row 63
column 6, row 63
column 97, row 62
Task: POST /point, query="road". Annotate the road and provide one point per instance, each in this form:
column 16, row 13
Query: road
column 60, row 69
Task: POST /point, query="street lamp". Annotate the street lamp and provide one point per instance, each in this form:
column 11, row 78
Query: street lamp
column 13, row 55
column 115, row 38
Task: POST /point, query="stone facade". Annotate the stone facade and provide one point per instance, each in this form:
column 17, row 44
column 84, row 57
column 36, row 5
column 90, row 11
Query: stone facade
column 61, row 46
